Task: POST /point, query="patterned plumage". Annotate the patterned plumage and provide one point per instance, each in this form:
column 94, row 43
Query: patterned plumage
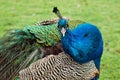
column 83, row 44
column 58, row 67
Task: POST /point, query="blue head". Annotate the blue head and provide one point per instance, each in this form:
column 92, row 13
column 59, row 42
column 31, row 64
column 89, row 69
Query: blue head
column 62, row 26
column 62, row 23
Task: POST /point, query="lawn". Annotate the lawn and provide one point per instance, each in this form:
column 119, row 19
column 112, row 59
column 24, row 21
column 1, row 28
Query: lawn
column 16, row 14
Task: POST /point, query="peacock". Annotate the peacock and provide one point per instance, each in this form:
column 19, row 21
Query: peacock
column 20, row 48
column 84, row 43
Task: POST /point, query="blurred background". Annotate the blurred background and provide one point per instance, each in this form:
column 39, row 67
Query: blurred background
column 17, row 14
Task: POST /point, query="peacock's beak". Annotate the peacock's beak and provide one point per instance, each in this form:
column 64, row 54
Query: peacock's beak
column 63, row 31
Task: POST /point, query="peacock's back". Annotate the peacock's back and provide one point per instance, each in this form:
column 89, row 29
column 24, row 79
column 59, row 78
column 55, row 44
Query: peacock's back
column 58, row 67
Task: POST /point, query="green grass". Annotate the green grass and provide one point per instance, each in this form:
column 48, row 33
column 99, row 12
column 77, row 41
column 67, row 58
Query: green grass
column 16, row 14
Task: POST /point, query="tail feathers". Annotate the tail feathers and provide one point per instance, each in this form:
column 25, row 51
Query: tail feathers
column 17, row 50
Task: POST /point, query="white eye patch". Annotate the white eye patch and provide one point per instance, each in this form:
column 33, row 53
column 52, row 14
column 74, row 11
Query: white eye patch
column 63, row 31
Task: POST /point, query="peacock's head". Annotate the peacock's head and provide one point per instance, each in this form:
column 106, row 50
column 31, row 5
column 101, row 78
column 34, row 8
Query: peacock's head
column 62, row 26
column 62, row 23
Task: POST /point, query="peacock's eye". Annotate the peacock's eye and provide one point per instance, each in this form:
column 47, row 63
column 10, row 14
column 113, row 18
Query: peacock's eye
column 66, row 26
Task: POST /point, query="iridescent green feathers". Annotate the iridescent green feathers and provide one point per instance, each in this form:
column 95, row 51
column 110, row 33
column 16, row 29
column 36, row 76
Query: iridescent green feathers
column 48, row 35
column 45, row 35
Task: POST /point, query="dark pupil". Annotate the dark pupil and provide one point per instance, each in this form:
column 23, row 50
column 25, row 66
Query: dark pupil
column 65, row 26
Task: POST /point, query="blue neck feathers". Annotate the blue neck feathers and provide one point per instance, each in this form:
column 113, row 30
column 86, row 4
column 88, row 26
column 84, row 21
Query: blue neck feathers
column 66, row 41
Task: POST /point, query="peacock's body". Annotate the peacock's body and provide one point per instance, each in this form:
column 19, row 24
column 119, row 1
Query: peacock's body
column 19, row 48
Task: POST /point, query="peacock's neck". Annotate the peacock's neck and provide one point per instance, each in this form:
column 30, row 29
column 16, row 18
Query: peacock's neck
column 66, row 41
column 68, row 35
